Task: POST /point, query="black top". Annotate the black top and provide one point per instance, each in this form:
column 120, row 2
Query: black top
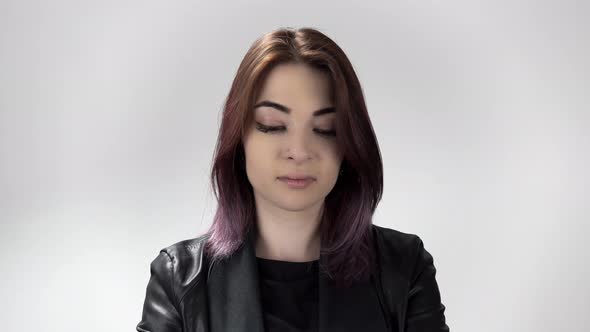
column 289, row 292
column 209, row 293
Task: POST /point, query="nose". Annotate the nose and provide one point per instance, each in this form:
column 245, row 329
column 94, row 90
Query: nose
column 298, row 147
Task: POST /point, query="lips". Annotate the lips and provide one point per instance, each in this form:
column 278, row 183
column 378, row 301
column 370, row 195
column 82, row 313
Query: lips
column 301, row 183
column 296, row 177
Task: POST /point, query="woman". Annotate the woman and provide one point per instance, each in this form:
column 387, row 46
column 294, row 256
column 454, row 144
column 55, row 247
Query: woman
column 297, row 174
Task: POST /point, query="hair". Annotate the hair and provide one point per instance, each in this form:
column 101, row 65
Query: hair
column 347, row 250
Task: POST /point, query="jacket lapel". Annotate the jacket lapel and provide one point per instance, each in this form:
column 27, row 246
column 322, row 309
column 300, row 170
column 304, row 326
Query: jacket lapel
column 235, row 302
column 233, row 292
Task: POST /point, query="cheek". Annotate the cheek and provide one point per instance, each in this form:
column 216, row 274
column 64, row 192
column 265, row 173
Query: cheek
column 331, row 149
column 331, row 166
column 334, row 156
column 258, row 160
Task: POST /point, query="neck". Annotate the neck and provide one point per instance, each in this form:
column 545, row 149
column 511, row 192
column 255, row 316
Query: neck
column 294, row 238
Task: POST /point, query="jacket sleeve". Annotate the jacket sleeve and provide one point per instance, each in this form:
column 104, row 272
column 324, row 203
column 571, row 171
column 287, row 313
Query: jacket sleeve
column 160, row 312
column 425, row 311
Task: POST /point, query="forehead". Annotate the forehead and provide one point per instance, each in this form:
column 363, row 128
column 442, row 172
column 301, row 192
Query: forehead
column 297, row 85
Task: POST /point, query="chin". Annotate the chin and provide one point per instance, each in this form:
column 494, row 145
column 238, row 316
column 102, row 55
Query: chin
column 294, row 203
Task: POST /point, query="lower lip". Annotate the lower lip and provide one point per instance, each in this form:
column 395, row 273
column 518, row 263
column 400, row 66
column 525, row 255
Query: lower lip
column 296, row 184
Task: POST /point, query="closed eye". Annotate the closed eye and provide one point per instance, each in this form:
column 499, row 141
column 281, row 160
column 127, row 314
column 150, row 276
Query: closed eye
column 276, row 129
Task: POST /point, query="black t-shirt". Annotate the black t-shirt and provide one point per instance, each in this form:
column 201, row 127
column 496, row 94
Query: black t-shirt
column 289, row 293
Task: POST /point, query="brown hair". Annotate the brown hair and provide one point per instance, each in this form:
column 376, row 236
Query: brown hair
column 347, row 252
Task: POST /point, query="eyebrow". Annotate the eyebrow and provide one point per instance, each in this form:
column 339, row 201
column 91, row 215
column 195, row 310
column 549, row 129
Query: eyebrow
column 287, row 110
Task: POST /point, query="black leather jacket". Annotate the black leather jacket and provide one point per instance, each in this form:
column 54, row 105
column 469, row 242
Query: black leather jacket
column 185, row 294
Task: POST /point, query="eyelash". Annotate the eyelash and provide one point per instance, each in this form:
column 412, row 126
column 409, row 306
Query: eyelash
column 273, row 130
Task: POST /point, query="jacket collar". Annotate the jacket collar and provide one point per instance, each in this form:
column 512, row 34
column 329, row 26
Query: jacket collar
column 235, row 303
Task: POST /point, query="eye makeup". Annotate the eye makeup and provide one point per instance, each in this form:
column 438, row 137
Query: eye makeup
column 277, row 129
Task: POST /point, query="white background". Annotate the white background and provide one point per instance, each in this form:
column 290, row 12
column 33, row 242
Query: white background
column 109, row 112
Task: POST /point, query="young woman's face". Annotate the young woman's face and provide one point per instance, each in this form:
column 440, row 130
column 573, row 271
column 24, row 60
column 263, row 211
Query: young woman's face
column 294, row 141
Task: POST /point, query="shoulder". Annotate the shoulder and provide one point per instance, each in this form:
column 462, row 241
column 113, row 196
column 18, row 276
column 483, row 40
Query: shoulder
column 182, row 263
column 398, row 250
column 409, row 276
column 187, row 250
column 395, row 240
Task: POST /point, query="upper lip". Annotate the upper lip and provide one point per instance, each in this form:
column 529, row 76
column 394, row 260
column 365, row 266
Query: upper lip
column 297, row 176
